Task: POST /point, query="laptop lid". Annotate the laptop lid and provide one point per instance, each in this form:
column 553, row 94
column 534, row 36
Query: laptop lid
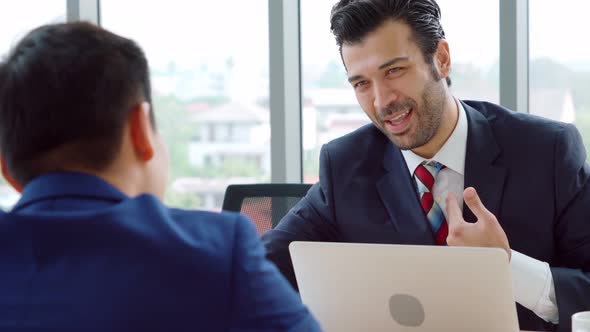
column 379, row 287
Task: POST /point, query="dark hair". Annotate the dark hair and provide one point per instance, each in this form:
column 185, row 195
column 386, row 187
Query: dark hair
column 352, row 20
column 65, row 94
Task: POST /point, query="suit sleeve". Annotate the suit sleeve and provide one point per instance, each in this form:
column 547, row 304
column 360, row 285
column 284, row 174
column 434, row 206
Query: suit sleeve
column 571, row 274
column 312, row 219
column 262, row 299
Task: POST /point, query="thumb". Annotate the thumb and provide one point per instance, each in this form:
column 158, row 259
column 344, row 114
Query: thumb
column 474, row 203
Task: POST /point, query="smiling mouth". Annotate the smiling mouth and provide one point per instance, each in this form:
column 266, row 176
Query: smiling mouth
column 398, row 124
column 399, row 119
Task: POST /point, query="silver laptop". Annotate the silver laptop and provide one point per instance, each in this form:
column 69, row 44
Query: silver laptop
column 378, row 287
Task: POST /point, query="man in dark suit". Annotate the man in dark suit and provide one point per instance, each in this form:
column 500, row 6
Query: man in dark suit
column 404, row 178
column 90, row 246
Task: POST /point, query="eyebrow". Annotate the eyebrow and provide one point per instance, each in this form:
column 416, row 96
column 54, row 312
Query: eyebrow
column 383, row 66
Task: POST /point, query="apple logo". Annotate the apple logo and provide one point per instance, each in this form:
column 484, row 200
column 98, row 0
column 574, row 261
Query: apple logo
column 406, row 310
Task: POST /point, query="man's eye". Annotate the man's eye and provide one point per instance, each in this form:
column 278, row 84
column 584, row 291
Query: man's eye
column 359, row 84
column 394, row 70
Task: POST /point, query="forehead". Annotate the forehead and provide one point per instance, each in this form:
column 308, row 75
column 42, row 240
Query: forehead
column 391, row 40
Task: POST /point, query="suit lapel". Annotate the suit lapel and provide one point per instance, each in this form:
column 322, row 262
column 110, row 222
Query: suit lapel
column 480, row 173
column 398, row 193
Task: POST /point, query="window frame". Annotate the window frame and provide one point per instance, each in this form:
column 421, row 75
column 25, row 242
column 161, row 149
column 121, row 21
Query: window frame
column 285, row 73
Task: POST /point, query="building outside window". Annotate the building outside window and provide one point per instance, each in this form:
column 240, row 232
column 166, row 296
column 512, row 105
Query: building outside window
column 210, row 71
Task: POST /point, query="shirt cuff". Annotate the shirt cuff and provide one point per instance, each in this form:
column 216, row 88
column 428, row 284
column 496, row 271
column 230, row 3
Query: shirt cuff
column 533, row 288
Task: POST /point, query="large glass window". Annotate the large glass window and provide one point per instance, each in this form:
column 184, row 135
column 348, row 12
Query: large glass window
column 209, row 70
column 17, row 18
column 474, row 41
column 330, row 108
column 560, row 62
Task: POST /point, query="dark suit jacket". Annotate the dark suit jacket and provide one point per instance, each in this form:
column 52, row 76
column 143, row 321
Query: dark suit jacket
column 530, row 172
column 76, row 254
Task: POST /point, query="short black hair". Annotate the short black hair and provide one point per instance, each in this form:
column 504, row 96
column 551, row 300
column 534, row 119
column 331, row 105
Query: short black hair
column 352, row 20
column 65, row 93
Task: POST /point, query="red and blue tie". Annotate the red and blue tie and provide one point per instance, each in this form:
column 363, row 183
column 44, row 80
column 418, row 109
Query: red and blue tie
column 425, row 175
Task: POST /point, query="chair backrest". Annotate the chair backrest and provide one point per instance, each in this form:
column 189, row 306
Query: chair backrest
column 265, row 204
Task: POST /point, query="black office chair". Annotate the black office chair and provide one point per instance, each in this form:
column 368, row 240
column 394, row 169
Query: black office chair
column 264, row 204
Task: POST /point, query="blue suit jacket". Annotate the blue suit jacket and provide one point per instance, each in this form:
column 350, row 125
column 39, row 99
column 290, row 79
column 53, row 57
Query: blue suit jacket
column 76, row 254
column 530, row 172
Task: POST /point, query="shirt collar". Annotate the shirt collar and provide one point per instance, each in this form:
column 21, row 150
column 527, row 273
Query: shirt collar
column 68, row 184
column 452, row 153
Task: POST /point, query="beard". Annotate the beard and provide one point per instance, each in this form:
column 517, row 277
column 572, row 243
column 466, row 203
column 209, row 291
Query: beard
column 428, row 117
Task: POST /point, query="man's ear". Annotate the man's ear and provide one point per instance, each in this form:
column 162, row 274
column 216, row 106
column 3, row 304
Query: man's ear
column 442, row 58
column 9, row 178
column 142, row 134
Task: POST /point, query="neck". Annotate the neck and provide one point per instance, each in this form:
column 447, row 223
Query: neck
column 448, row 123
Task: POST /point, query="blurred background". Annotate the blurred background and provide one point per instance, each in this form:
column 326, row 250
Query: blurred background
column 211, row 71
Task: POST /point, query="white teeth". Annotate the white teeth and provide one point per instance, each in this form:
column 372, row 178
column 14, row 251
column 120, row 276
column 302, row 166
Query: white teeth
column 401, row 116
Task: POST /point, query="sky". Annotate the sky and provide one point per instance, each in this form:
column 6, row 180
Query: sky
column 191, row 32
column 17, row 18
column 472, row 29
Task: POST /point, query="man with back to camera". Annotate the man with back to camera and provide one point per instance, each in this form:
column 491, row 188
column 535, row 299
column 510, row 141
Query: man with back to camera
column 401, row 179
column 90, row 246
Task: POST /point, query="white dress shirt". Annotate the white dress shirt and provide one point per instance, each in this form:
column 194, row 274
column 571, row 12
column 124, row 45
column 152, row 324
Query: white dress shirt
column 531, row 279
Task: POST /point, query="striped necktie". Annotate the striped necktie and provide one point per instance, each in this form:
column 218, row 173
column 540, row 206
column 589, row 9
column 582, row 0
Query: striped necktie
column 425, row 175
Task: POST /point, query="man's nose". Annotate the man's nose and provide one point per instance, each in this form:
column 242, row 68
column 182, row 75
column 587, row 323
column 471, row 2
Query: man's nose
column 384, row 96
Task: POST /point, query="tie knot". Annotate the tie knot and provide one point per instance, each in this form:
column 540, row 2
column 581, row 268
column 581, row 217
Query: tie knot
column 425, row 173
column 433, row 167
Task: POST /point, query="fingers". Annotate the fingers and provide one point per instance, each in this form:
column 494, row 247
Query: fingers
column 472, row 200
column 486, row 232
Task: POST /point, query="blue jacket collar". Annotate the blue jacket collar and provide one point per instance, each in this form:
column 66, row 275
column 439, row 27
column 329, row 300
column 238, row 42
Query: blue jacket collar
column 68, row 184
